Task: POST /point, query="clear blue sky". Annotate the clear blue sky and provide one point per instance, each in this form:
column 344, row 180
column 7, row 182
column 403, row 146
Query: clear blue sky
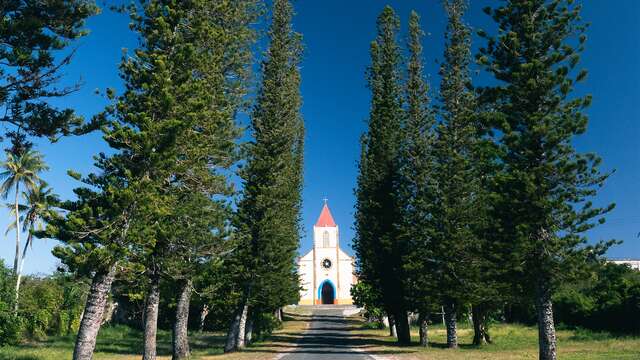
column 336, row 103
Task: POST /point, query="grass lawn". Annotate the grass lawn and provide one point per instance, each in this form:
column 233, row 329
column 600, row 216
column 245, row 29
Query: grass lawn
column 509, row 342
column 118, row 342
column 124, row 343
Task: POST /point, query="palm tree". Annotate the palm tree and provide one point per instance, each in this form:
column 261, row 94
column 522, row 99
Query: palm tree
column 39, row 203
column 20, row 168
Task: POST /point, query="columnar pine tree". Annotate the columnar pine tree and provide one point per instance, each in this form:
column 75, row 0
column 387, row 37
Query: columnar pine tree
column 487, row 277
column 174, row 133
column 416, row 184
column 222, row 35
column 268, row 218
column 456, row 204
column 160, row 102
column 176, row 121
column 377, row 244
column 546, row 184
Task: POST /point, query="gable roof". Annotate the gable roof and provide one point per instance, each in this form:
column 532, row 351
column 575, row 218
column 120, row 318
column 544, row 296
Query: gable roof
column 325, row 219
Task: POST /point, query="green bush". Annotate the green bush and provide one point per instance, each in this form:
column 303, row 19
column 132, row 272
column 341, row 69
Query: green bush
column 373, row 325
column 40, row 302
column 10, row 325
column 367, row 297
column 49, row 305
column 264, row 325
column 610, row 301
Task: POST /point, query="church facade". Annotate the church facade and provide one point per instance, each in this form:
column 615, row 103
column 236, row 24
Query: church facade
column 326, row 272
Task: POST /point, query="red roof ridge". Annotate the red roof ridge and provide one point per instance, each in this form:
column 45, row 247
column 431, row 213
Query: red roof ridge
column 325, row 219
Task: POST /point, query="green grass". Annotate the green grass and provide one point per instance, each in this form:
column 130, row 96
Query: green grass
column 510, row 341
column 124, row 343
column 114, row 342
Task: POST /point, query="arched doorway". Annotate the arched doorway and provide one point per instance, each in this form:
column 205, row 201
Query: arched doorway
column 327, row 293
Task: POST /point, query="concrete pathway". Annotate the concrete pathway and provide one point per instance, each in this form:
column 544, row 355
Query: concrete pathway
column 328, row 338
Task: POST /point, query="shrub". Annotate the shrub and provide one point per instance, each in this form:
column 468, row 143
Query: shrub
column 610, row 301
column 264, row 325
column 49, row 305
column 10, row 325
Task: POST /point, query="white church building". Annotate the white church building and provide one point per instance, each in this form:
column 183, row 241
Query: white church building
column 326, row 271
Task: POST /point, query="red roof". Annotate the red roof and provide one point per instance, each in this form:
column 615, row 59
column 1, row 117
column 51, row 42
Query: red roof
column 325, row 219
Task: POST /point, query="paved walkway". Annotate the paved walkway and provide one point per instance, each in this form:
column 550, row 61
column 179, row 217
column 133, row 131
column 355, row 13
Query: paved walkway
column 328, row 338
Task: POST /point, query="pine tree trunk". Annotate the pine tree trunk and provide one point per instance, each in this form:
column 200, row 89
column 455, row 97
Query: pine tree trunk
column 402, row 328
column 480, row 331
column 151, row 317
column 450, row 315
column 242, row 327
column 546, row 328
column 92, row 315
column 423, row 323
column 203, row 315
column 110, row 308
column 181, row 325
column 248, row 332
column 232, row 334
column 392, row 326
column 234, row 328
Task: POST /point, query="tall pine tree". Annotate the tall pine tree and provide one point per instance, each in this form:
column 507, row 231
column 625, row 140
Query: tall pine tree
column 268, row 218
column 456, row 200
column 416, row 184
column 174, row 133
column 221, row 35
column 377, row 244
column 546, row 184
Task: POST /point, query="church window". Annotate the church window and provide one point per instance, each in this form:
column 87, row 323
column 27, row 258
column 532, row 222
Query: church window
column 326, row 263
column 325, row 239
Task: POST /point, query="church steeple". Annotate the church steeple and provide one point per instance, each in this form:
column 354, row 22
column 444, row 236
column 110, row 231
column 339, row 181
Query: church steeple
column 325, row 219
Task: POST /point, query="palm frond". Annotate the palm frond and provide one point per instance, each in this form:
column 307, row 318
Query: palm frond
column 23, row 169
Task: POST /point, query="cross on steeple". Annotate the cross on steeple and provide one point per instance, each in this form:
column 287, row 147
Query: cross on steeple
column 325, row 219
column 325, row 200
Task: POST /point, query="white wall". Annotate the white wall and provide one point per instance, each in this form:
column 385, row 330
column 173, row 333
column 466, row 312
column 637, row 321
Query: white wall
column 634, row 264
column 321, row 253
column 318, row 236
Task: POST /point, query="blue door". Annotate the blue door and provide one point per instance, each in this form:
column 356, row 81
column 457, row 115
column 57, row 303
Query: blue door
column 327, row 292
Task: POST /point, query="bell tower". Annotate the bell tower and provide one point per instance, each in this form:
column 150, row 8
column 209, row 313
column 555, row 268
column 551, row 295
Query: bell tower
column 326, row 272
column 326, row 258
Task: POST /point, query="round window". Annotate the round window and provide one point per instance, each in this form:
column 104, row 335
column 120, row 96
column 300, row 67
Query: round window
column 326, row 263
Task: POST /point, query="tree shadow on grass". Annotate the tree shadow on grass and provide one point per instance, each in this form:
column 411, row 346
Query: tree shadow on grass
column 438, row 345
column 329, row 335
column 326, row 335
column 201, row 342
column 122, row 340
